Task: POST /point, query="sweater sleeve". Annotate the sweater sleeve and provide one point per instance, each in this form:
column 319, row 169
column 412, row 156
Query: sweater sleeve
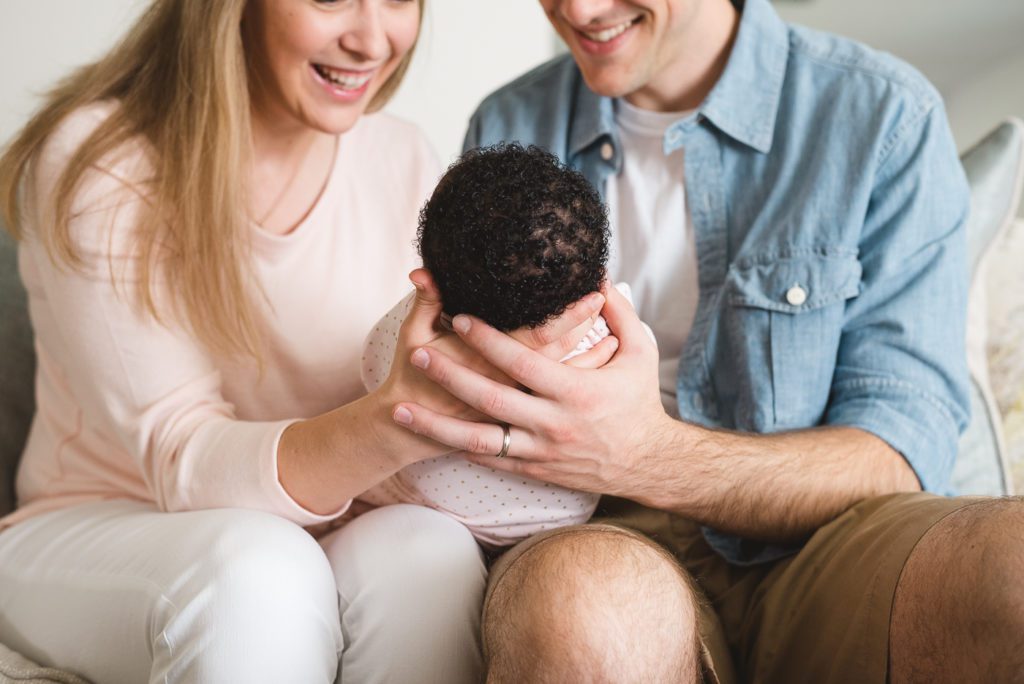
column 146, row 388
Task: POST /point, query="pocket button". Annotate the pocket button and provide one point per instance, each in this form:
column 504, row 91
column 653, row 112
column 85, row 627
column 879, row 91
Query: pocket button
column 796, row 295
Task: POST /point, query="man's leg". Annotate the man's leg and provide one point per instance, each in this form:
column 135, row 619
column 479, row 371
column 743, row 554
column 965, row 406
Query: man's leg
column 592, row 603
column 958, row 614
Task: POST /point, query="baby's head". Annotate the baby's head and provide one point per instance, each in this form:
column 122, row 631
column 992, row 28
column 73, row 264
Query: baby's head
column 513, row 236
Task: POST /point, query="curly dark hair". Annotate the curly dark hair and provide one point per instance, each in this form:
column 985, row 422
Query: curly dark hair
column 513, row 236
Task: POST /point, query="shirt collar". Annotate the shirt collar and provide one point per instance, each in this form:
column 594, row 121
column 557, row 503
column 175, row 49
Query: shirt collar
column 743, row 103
column 594, row 119
column 745, row 100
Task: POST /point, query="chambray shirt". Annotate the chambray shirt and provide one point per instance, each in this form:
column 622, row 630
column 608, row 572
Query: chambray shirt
column 829, row 208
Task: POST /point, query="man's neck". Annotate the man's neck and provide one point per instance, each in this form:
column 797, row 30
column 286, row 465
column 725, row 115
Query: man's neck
column 705, row 47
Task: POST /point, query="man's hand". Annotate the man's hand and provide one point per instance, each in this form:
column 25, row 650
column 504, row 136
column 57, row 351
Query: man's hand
column 604, row 430
column 579, row 427
column 421, row 336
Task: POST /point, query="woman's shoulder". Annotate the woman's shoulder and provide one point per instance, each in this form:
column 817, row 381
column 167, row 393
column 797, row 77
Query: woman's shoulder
column 125, row 164
column 106, row 195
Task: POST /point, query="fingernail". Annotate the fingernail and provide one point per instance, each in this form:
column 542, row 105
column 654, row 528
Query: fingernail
column 402, row 415
column 596, row 300
column 461, row 323
column 420, row 358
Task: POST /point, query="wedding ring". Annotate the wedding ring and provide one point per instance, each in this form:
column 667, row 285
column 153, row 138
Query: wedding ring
column 506, row 441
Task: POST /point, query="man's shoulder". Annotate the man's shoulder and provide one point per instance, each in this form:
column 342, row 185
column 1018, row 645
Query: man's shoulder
column 549, row 79
column 863, row 72
column 527, row 107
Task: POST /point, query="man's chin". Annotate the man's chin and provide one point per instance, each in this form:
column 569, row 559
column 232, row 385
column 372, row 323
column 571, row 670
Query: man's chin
column 607, row 85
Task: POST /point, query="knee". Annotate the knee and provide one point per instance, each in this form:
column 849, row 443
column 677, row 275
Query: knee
column 259, row 602
column 594, row 604
column 412, row 576
column 258, row 559
column 994, row 537
column 258, row 572
column 410, row 550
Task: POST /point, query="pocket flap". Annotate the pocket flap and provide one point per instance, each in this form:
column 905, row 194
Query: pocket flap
column 794, row 282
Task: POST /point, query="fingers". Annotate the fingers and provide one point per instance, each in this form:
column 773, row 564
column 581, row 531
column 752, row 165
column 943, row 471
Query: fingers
column 580, row 315
column 527, row 367
column 600, row 354
column 494, row 399
column 483, row 440
column 426, row 308
column 622, row 319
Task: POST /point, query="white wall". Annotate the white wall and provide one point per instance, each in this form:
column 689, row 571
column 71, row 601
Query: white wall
column 42, row 40
column 976, row 105
column 468, row 48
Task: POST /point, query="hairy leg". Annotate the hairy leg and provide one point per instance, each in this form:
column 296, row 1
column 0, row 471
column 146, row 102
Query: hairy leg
column 595, row 604
column 958, row 613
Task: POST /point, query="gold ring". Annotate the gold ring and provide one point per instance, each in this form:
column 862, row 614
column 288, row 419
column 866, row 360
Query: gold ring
column 506, row 441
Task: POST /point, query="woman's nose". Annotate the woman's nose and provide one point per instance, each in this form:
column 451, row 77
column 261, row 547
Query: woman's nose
column 366, row 36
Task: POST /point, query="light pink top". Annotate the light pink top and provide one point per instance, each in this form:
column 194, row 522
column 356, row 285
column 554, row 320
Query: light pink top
column 129, row 408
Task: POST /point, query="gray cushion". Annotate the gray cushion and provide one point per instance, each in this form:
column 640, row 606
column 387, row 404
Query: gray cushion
column 995, row 170
column 17, row 369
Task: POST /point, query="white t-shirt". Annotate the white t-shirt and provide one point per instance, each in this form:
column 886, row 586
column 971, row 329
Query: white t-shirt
column 653, row 247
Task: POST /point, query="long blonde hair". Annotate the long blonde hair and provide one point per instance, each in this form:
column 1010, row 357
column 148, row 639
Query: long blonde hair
column 180, row 79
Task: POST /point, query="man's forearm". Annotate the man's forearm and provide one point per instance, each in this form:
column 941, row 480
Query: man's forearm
column 778, row 487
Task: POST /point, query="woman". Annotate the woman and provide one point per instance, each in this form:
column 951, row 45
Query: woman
column 209, row 227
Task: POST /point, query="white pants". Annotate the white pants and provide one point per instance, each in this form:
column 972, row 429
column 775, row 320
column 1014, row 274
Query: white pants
column 119, row 592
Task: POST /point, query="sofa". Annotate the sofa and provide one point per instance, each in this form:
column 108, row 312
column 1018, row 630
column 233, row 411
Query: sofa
column 995, row 170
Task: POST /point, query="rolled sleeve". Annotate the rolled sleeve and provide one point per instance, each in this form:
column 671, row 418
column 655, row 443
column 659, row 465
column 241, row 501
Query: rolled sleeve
column 901, row 370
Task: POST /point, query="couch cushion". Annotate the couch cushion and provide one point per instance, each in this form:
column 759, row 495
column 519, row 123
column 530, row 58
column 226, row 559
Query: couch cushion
column 16, row 669
column 995, row 170
column 17, row 369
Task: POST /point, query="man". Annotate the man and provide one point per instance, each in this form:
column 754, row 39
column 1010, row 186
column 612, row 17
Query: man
column 790, row 210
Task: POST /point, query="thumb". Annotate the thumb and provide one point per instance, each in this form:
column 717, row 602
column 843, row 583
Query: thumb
column 418, row 327
column 621, row 317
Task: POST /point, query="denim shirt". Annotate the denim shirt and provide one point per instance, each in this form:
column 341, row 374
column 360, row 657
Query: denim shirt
column 829, row 208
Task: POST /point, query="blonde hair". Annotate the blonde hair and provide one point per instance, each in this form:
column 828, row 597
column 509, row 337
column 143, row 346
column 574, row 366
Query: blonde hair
column 180, row 79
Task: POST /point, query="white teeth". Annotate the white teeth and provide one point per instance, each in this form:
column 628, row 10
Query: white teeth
column 343, row 80
column 608, row 34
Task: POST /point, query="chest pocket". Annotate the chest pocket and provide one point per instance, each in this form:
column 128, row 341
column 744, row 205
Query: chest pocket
column 789, row 311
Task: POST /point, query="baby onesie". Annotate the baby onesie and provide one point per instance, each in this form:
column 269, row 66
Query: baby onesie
column 498, row 508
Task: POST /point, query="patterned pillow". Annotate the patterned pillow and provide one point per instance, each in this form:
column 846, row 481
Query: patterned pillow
column 1006, row 343
column 995, row 170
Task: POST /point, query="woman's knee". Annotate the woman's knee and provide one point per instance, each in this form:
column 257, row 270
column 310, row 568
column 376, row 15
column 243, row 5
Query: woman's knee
column 258, row 600
column 407, row 549
column 409, row 575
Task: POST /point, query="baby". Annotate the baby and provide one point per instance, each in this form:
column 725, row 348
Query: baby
column 513, row 237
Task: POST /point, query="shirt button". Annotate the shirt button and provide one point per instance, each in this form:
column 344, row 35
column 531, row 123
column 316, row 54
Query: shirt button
column 607, row 151
column 796, row 295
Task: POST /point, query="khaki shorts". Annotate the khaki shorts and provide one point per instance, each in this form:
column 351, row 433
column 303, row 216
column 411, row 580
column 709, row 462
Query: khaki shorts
column 819, row 616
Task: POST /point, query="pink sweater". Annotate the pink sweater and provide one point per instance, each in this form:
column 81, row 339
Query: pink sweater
column 128, row 408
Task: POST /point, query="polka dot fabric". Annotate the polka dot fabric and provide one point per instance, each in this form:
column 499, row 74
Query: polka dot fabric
column 498, row 509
